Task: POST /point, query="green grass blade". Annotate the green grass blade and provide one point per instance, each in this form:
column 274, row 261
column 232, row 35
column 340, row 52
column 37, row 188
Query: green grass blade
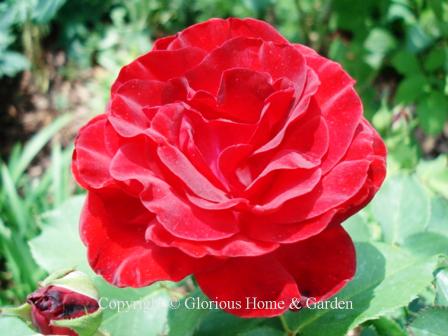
column 57, row 172
column 15, row 205
column 37, row 142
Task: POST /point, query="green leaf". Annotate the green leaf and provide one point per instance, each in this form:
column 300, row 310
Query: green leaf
column 401, row 10
column 388, row 327
column 382, row 119
column 432, row 321
column 145, row 316
column 411, row 89
column 357, row 228
column 439, row 216
column 417, row 38
column 435, row 59
column 427, row 244
column 442, row 287
column 379, row 41
column 378, row 44
column 381, row 270
column 45, row 10
column 60, row 233
column 263, row 331
column 220, row 323
column 12, row 326
column 406, row 63
column 12, row 62
column 432, row 113
column 183, row 321
column 401, row 207
column 434, row 174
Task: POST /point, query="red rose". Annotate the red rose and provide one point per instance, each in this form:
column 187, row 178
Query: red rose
column 231, row 154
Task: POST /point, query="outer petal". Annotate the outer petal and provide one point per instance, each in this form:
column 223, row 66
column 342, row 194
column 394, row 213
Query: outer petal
column 286, row 186
column 339, row 102
column 245, row 279
column 211, row 34
column 287, row 233
column 113, row 229
column 130, row 109
column 337, row 187
column 254, row 54
column 159, row 65
column 163, row 42
column 185, row 220
column 366, row 144
column 95, row 146
column 237, row 246
column 321, row 265
column 175, row 213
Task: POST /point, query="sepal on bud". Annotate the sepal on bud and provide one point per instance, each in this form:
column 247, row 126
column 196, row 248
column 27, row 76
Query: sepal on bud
column 66, row 303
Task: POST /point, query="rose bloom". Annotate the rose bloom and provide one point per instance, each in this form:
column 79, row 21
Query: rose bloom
column 228, row 153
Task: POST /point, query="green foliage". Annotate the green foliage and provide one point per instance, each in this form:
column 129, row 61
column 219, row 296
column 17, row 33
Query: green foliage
column 381, row 270
column 431, row 322
column 442, row 288
column 397, row 50
column 402, row 208
column 60, row 222
column 20, row 20
column 12, row 326
column 21, row 200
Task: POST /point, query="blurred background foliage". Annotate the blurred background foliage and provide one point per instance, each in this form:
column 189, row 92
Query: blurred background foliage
column 58, row 59
column 397, row 50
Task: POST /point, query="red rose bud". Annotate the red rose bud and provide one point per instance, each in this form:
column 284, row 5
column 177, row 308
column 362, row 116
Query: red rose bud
column 65, row 305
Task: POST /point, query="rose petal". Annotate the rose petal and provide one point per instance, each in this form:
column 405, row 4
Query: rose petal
column 237, row 246
column 184, row 220
column 163, row 42
column 212, row 137
column 283, row 160
column 119, row 252
column 301, row 106
column 229, row 162
column 211, row 34
column 322, row 264
column 285, row 186
column 287, row 233
column 338, row 186
column 254, row 54
column 276, row 109
column 94, row 147
column 160, row 65
column 180, row 166
column 128, row 110
column 136, row 166
column 178, row 216
column 241, row 279
column 242, row 93
column 339, row 102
